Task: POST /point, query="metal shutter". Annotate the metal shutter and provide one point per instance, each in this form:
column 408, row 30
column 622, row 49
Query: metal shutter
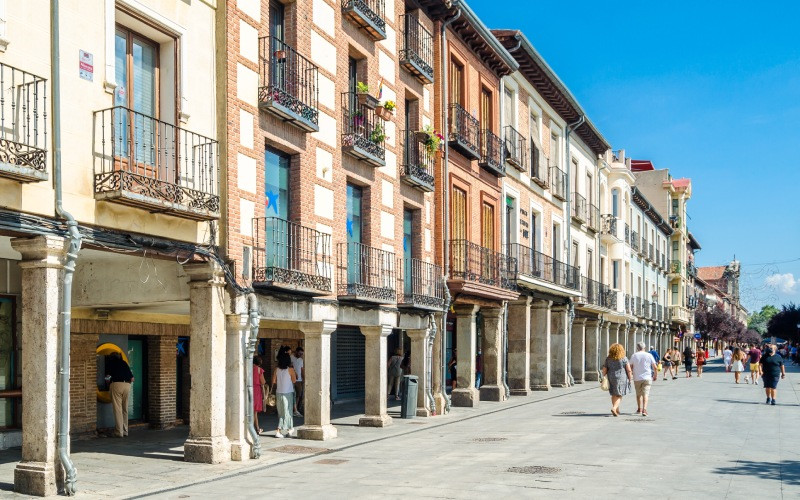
column 348, row 365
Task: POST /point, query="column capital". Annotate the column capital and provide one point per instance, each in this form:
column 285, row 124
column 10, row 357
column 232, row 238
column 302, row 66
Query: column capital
column 580, row 321
column 592, row 323
column 418, row 333
column 379, row 330
column 523, row 300
column 492, row 312
column 558, row 308
column 41, row 251
column 317, row 328
column 465, row 309
column 205, row 273
column 541, row 304
column 235, row 323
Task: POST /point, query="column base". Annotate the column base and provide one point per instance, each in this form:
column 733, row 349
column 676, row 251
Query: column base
column 423, row 412
column 35, row 478
column 520, row 392
column 578, row 381
column 492, row 393
column 440, row 403
column 317, row 432
column 591, row 377
column 375, row 421
column 240, row 451
column 467, row 398
column 540, row 387
column 560, row 385
column 207, row 450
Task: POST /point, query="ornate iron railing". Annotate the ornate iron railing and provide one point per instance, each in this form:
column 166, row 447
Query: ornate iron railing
column 653, row 311
column 635, row 240
column 539, row 172
column 417, row 52
column 660, row 312
column 645, row 309
column 464, row 132
column 594, row 218
column 596, row 293
column 537, row 265
column 366, row 273
column 289, row 84
column 492, row 153
column 691, row 271
column 23, row 124
column 420, row 285
column 643, row 248
column 143, row 161
column 675, row 267
column 627, row 233
column 609, row 225
column 637, row 310
column 472, row 262
column 651, row 253
column 368, row 15
column 286, row 254
column 363, row 133
column 515, row 147
column 628, row 304
column 578, row 207
column 558, row 182
column 418, row 162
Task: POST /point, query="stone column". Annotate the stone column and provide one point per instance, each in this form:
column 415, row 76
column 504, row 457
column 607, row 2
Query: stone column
column 375, row 376
column 540, row 345
column 207, row 442
column 558, row 346
column 592, row 353
column 630, row 339
column 519, row 346
column 238, row 331
column 605, row 341
column 492, row 388
column 41, row 265
column 578, row 351
column 317, row 381
column 619, row 330
column 419, row 368
column 436, row 364
column 465, row 393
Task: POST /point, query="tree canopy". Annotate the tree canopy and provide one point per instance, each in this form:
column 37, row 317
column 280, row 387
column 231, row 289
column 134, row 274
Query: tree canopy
column 783, row 325
column 758, row 320
column 715, row 322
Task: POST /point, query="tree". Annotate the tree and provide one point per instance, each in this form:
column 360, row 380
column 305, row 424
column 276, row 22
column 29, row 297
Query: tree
column 758, row 320
column 716, row 322
column 783, row 325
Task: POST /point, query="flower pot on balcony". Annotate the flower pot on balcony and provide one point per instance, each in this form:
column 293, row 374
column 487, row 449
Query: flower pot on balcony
column 279, row 55
column 421, row 136
column 367, row 100
column 384, row 114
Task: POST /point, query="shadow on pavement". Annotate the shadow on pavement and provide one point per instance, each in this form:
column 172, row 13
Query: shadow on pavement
column 583, row 415
column 787, row 471
column 739, row 402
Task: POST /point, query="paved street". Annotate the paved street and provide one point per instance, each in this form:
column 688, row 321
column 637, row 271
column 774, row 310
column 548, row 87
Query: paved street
column 704, row 438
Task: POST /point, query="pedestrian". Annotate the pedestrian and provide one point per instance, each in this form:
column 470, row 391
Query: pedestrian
column 259, row 383
column 737, row 363
column 654, row 353
column 727, row 357
column 406, row 364
column 299, row 365
column 452, row 366
column 283, row 379
column 395, row 373
column 668, row 364
column 643, row 366
column 121, row 380
column 771, row 366
column 688, row 355
column 793, row 354
column 618, row 370
column 755, row 358
column 701, row 356
column 478, row 369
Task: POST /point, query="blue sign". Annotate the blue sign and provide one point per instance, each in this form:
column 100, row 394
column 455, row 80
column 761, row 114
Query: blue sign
column 698, row 336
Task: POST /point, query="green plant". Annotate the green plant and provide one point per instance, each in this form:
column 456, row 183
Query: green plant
column 377, row 135
column 362, row 88
column 389, row 105
column 432, row 140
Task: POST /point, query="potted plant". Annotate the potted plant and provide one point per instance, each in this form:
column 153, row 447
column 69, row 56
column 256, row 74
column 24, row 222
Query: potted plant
column 377, row 135
column 280, row 55
column 358, row 119
column 430, row 138
column 386, row 111
column 364, row 99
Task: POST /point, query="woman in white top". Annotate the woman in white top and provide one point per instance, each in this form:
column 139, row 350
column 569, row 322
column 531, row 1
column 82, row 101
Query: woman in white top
column 283, row 379
column 727, row 358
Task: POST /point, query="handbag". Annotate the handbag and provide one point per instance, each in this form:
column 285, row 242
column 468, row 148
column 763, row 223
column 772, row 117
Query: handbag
column 269, row 397
column 660, row 366
column 604, row 386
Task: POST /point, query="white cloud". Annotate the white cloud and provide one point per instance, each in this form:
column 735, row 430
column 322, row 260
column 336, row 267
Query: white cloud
column 784, row 283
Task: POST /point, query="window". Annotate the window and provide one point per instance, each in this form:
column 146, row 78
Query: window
column 456, row 83
column 574, row 175
column 615, row 274
column 589, row 189
column 508, row 107
column 487, row 226
column 277, row 17
column 486, row 117
column 535, row 231
column 589, row 263
column 459, row 214
column 615, row 202
column 556, row 239
column 554, row 158
column 675, row 207
column 510, row 222
column 276, row 184
column 575, row 257
column 354, row 200
column 9, row 362
column 408, row 250
column 674, row 294
column 674, row 250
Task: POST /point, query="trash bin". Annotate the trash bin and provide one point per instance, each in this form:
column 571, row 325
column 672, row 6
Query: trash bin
column 408, row 404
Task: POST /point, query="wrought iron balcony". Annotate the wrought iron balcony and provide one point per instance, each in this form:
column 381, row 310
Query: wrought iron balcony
column 472, row 262
column 627, row 233
column 23, row 125
column 289, row 84
column 628, row 304
column 609, row 225
column 653, row 311
column 691, row 271
column 492, row 154
column 644, row 247
column 664, row 262
column 291, row 257
column 515, row 147
column 651, row 253
column 368, row 15
column 421, row 285
column 154, row 165
column 578, row 207
column 645, row 309
column 418, row 162
column 660, row 312
column 658, row 258
column 366, row 274
column 558, row 183
column 533, row 264
column 597, row 294
column 637, row 309
column 635, row 240
column 464, row 132
column 539, row 168
column 363, row 133
column 594, row 218
column 675, row 267
column 416, row 56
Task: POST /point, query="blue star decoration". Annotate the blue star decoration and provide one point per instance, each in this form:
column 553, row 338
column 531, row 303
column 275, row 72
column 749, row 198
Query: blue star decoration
column 350, row 227
column 272, row 200
column 181, row 347
column 405, row 243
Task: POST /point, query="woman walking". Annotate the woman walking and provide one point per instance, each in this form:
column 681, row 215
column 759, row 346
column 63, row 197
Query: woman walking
column 688, row 354
column 737, row 363
column 702, row 355
column 258, row 391
column 727, row 358
column 618, row 371
column 283, row 379
column 770, row 368
column 667, row 364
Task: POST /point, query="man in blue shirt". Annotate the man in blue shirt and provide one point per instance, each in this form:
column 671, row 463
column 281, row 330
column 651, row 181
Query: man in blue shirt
column 654, row 353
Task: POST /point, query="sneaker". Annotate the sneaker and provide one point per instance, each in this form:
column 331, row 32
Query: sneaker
column 755, row 382
column 278, row 435
column 674, row 378
column 638, row 411
column 768, row 400
column 773, row 403
column 292, row 432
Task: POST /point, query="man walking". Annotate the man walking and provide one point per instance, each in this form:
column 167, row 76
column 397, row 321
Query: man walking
column 299, row 369
column 645, row 373
column 755, row 358
column 121, row 379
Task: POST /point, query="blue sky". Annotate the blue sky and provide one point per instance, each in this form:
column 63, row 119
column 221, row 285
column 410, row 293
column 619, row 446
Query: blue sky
column 710, row 90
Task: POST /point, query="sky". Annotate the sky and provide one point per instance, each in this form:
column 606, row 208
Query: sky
column 710, row 90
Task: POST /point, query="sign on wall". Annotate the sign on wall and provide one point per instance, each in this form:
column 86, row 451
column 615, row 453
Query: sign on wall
column 86, row 65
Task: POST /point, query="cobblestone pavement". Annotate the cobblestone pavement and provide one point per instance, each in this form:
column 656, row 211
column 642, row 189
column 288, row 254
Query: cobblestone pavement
column 704, row 438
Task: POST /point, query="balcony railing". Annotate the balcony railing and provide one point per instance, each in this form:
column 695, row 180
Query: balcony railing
column 628, row 304
column 658, row 258
column 558, row 183
column 291, row 257
column 635, row 240
column 368, row 15
column 539, row 171
column 472, row 262
column 644, row 247
column 609, row 225
column 464, row 132
column 417, row 52
column 23, row 125
column 418, row 162
column 645, row 309
column 627, row 233
column 366, row 274
column 533, row 264
column 363, row 133
column 651, row 253
column 515, row 148
column 151, row 164
column 691, row 271
column 289, row 84
column 637, row 309
column 594, row 218
column 420, row 285
column 595, row 293
column 653, row 311
column 675, row 267
column 579, row 207
column 492, row 153
column 660, row 312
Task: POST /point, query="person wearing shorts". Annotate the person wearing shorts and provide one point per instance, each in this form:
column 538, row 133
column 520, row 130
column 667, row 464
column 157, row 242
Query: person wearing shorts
column 771, row 368
column 755, row 358
column 645, row 372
